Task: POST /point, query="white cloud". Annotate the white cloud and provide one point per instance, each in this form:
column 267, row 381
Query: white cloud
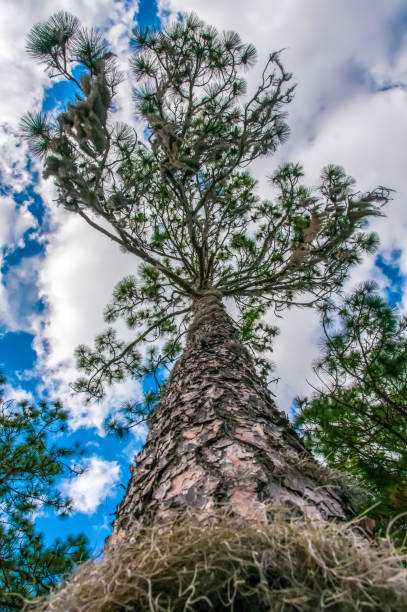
column 16, row 394
column 77, row 277
column 294, row 350
column 92, row 487
column 19, row 296
column 76, row 280
column 15, row 222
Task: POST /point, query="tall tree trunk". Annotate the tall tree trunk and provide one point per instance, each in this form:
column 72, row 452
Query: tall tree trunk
column 216, row 437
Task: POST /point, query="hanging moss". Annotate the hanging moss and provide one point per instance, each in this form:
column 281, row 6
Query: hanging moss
column 223, row 562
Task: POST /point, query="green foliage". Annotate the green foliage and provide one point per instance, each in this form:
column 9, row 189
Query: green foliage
column 29, row 568
column 30, row 462
column 50, row 40
column 358, row 419
column 60, row 41
column 37, row 130
column 182, row 200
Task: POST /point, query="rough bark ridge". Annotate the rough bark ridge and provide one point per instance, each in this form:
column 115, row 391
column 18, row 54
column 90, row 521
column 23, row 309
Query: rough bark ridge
column 217, row 437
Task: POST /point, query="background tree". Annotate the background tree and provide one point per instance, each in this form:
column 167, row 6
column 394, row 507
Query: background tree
column 184, row 204
column 30, row 462
column 358, row 418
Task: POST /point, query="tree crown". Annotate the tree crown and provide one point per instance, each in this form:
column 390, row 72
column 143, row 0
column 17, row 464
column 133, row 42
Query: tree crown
column 181, row 198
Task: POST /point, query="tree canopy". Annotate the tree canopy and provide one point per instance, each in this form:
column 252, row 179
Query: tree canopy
column 31, row 459
column 180, row 196
column 358, row 418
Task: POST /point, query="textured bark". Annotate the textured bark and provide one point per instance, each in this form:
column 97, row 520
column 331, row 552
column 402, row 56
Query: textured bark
column 217, row 437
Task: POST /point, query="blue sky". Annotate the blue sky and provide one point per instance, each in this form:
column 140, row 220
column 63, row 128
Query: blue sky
column 56, row 276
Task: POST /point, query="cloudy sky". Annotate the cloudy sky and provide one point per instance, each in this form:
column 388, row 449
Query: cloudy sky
column 349, row 58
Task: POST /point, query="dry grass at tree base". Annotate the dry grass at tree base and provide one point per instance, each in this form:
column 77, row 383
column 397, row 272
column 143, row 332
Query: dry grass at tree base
column 224, row 562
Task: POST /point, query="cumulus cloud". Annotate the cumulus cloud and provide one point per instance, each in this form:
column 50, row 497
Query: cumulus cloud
column 21, row 296
column 76, row 279
column 15, row 223
column 92, row 487
column 16, row 394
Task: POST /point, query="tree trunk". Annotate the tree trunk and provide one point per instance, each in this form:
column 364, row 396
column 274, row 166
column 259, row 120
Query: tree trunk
column 216, row 437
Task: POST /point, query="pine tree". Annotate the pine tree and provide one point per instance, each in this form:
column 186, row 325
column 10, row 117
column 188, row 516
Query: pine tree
column 358, row 418
column 30, row 463
column 183, row 202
